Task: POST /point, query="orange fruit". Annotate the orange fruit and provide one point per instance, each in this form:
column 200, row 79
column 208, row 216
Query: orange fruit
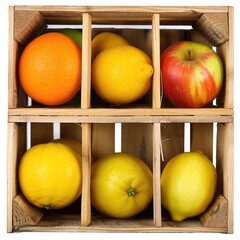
column 50, row 69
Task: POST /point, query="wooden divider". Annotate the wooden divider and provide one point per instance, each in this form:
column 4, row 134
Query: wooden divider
column 156, row 134
column 225, row 140
column 86, row 60
column 16, row 148
column 86, row 127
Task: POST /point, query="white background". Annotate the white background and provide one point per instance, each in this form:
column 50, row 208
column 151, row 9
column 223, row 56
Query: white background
column 3, row 122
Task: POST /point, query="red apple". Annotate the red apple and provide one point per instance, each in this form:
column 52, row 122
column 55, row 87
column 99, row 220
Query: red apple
column 192, row 74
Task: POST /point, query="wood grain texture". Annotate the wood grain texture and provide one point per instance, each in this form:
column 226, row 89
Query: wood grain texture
column 156, row 91
column 202, row 138
column 24, row 213
column 70, row 223
column 217, row 213
column 86, row 61
column 157, row 211
column 28, row 112
column 16, row 149
column 225, row 166
column 214, row 26
column 86, row 175
column 27, row 25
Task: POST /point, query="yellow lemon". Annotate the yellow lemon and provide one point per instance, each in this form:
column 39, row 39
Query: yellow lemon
column 122, row 74
column 50, row 175
column 106, row 40
column 74, row 144
column 121, row 185
column 188, row 185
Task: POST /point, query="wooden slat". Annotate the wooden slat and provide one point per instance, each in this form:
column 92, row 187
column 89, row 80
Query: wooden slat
column 86, row 60
column 70, row 223
column 157, row 213
column 12, row 88
column 56, row 112
column 128, row 9
column 16, row 148
column 11, row 173
column 102, row 140
column 71, row 131
column 172, row 140
column 168, row 37
column 225, row 145
column 156, row 94
column 137, row 140
column 202, row 138
column 195, row 36
column 86, row 175
column 41, row 133
column 226, row 53
column 121, row 119
column 122, row 15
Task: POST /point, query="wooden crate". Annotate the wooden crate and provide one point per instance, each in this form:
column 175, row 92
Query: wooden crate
column 151, row 128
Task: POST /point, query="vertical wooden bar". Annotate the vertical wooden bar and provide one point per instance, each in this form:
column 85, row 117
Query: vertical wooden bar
column 12, row 86
column 86, row 174
column 41, row 133
column 102, row 139
column 16, row 148
column 226, row 52
column 156, row 92
column 86, row 128
column 225, row 145
column 137, row 140
column 86, row 60
column 172, row 141
column 230, row 63
column 12, row 166
column 202, row 138
column 71, row 131
column 156, row 135
column 157, row 214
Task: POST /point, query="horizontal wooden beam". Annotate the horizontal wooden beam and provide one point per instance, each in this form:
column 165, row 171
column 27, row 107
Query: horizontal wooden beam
column 150, row 9
column 119, row 115
column 121, row 111
column 122, row 14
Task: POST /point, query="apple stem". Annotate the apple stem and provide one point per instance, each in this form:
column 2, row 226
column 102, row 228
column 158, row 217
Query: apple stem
column 189, row 54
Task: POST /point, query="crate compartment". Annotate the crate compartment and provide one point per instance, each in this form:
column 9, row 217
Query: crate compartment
column 135, row 139
column 24, row 27
column 22, row 137
column 137, row 36
column 171, row 34
column 206, row 137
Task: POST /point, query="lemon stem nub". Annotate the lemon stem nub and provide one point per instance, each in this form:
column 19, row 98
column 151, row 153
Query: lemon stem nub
column 48, row 207
column 131, row 192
